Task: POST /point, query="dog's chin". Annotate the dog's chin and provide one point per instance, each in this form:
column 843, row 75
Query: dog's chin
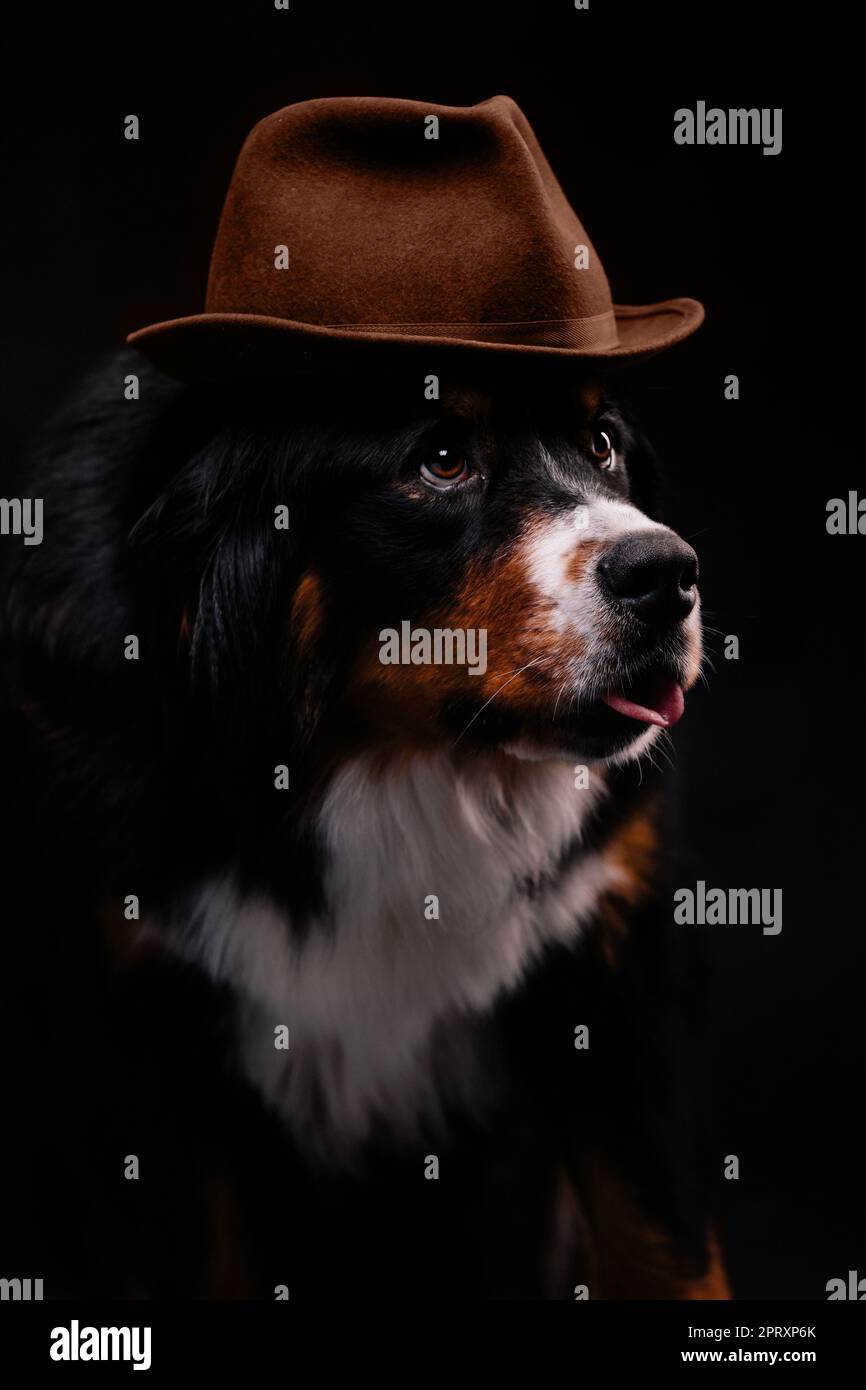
column 615, row 727
column 582, row 749
column 579, row 745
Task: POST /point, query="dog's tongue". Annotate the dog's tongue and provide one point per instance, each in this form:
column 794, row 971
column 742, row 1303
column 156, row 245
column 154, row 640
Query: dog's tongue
column 665, row 704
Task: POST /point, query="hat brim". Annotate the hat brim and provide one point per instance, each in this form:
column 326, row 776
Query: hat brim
column 215, row 347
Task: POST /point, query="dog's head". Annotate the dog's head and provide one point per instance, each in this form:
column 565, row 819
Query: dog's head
column 479, row 570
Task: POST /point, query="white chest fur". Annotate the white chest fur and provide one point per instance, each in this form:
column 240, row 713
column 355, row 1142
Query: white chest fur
column 425, row 922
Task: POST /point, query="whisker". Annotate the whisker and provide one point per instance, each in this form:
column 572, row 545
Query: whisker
column 512, row 677
column 667, row 748
column 558, row 698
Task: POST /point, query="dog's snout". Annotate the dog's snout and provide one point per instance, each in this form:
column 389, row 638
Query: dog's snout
column 653, row 574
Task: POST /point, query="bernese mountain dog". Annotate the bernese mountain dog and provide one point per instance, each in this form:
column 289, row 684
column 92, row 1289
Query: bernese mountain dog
column 343, row 957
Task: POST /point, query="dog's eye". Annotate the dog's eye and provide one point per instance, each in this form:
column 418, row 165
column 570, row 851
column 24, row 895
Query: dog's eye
column 445, row 469
column 602, row 447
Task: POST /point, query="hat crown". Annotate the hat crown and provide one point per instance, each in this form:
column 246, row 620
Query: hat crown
column 367, row 223
column 384, row 225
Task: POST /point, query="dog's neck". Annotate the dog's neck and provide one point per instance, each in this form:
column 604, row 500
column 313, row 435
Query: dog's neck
column 442, row 885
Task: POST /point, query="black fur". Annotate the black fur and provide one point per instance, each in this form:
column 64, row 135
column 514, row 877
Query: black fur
column 144, row 776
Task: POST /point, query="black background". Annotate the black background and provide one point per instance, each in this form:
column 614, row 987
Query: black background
column 105, row 235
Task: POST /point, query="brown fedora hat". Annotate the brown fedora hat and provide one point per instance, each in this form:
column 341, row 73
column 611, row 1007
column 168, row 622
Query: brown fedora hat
column 363, row 220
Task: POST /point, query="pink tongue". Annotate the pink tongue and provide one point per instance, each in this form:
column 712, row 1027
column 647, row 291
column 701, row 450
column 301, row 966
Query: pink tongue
column 667, row 706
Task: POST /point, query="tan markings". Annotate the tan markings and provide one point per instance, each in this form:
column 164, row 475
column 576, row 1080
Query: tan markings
column 228, row 1264
column 632, row 852
column 306, row 617
column 185, row 634
column 588, row 398
column 127, row 943
column 571, row 1255
column 527, row 656
column 609, row 631
column 612, row 928
column 469, row 403
column 635, row 1257
column 523, row 646
column 575, row 568
column 714, row 1283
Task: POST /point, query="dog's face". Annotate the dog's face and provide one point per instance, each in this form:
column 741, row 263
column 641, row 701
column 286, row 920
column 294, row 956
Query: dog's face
column 496, row 583
column 475, row 572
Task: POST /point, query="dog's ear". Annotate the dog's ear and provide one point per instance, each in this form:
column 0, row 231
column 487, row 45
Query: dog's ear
column 215, row 559
column 219, row 567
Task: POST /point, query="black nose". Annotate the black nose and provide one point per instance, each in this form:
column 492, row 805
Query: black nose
column 653, row 574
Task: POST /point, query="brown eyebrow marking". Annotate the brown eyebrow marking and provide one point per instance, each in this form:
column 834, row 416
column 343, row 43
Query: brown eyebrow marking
column 474, row 403
column 465, row 402
column 588, row 398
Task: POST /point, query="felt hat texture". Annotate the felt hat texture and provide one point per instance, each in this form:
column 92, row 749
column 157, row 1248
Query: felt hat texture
column 357, row 222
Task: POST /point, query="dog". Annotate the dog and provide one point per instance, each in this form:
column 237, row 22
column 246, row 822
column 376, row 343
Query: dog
column 353, row 977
